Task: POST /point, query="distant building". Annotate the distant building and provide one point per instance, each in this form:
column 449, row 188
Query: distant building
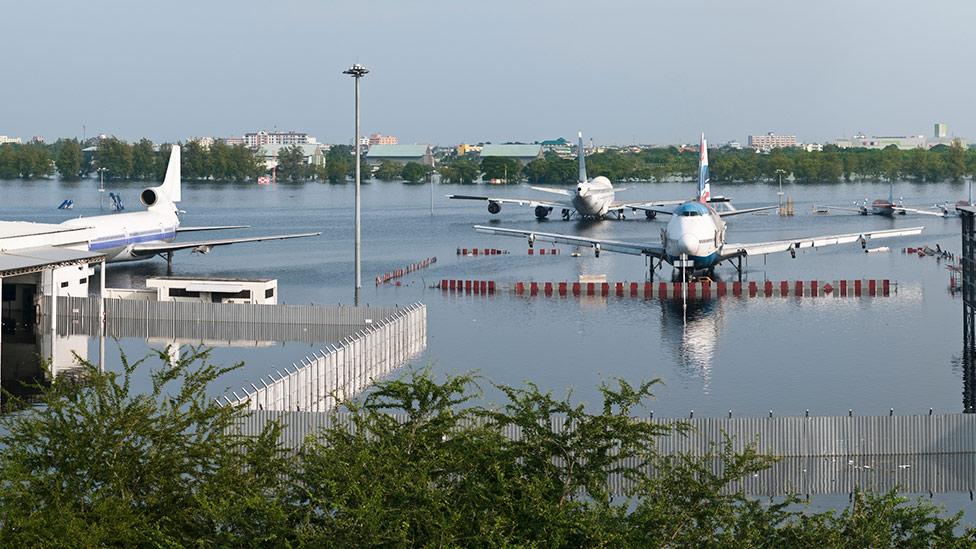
column 204, row 142
column 734, row 145
column 771, row 141
column 464, row 149
column 559, row 146
column 38, row 139
column 5, row 139
column 257, row 139
column 941, row 130
column 421, row 154
column 380, row 139
column 314, row 153
column 522, row 153
column 812, row 147
column 234, row 141
column 903, row 142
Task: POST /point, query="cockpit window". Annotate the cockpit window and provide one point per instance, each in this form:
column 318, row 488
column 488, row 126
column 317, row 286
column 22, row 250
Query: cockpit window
column 690, row 213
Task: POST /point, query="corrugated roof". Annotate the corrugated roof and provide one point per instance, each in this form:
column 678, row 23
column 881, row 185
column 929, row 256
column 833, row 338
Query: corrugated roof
column 36, row 259
column 397, row 151
column 512, row 151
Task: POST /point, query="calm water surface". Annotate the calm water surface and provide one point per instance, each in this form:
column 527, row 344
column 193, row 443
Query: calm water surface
column 747, row 355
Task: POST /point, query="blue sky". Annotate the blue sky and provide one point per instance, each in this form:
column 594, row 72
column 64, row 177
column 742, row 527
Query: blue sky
column 445, row 72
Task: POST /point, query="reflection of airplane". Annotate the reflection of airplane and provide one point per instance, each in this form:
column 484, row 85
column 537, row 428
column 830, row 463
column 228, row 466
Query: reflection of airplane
column 694, row 239
column 143, row 235
column 693, row 340
column 889, row 208
column 593, row 198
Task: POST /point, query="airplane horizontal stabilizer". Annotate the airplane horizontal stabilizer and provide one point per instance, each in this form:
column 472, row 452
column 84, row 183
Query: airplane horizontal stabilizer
column 213, row 228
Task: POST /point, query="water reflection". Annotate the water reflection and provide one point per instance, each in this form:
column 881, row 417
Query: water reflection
column 693, row 342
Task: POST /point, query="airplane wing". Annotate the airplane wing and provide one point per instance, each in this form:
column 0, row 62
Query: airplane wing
column 844, row 208
column 633, row 248
column 212, row 228
column 563, row 192
column 647, row 205
column 726, row 213
column 204, row 246
column 920, row 212
column 531, row 202
column 760, row 248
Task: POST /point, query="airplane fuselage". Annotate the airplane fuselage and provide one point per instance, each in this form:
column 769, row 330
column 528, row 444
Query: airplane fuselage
column 696, row 231
column 593, row 198
column 115, row 234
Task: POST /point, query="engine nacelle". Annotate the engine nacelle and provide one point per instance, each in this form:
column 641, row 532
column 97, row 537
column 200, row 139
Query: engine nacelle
column 650, row 214
column 494, row 207
column 149, row 197
column 542, row 212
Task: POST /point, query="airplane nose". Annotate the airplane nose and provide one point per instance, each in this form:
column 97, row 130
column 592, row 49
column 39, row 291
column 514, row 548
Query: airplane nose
column 687, row 244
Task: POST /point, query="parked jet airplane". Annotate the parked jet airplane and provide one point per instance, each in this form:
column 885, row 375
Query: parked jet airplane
column 592, row 198
column 142, row 235
column 694, row 239
column 889, row 208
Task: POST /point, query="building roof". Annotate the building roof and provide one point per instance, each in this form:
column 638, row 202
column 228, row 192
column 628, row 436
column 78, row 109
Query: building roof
column 551, row 142
column 512, row 151
column 398, row 151
column 31, row 260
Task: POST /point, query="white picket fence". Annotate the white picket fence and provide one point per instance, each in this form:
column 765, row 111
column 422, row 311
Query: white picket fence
column 340, row 371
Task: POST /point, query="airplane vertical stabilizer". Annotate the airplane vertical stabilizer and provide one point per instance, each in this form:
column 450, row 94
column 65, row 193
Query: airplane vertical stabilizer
column 172, row 180
column 581, row 154
column 704, row 192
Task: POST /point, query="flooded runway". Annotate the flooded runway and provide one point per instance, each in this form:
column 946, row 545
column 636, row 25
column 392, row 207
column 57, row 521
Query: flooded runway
column 747, row 355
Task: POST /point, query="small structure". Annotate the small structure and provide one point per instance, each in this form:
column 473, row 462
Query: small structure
column 401, row 154
column 202, row 290
column 313, row 153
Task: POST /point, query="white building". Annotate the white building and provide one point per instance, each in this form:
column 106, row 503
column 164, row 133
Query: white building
column 5, row 139
column 903, row 142
column 202, row 290
column 256, row 139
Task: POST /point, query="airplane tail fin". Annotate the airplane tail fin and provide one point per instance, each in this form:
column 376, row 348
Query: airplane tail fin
column 172, row 180
column 704, row 191
column 581, row 153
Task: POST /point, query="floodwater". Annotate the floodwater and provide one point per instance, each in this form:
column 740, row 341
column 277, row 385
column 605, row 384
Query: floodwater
column 750, row 356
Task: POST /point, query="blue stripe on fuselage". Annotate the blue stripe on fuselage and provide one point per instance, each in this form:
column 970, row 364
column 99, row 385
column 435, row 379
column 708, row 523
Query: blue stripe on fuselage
column 120, row 241
column 701, row 261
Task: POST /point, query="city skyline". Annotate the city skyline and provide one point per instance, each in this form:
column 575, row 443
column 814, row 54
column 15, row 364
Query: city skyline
column 625, row 73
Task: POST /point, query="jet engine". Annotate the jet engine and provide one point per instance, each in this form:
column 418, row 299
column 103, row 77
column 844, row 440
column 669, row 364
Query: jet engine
column 542, row 212
column 149, row 197
column 494, row 207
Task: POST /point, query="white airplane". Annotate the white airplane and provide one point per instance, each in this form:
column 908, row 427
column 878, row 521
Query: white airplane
column 890, row 208
column 592, row 198
column 694, row 239
column 142, row 235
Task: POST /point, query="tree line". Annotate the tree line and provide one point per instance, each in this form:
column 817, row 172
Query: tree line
column 89, row 462
column 833, row 164
column 143, row 160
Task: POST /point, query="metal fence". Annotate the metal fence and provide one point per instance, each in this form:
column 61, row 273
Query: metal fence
column 343, row 370
column 821, row 455
column 178, row 311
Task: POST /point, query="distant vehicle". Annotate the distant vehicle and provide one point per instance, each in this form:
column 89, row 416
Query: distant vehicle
column 694, row 239
column 264, row 180
column 592, row 198
column 146, row 234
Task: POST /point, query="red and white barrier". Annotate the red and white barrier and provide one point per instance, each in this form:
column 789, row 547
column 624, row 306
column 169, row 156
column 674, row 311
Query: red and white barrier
column 674, row 290
column 480, row 251
column 544, row 251
column 397, row 273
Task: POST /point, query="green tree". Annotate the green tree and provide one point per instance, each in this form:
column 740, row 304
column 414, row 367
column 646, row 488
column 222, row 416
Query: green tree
column 337, row 163
column 413, row 172
column 460, row 170
column 291, row 164
column 69, row 159
column 116, row 157
column 955, row 164
column 506, row 169
column 98, row 465
column 194, row 161
column 143, row 160
column 388, row 170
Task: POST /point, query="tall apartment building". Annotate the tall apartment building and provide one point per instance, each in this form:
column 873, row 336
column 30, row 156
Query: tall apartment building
column 380, row 139
column 771, row 141
column 941, row 130
column 256, row 139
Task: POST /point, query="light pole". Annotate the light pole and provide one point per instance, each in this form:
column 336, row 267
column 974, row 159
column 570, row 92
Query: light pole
column 101, row 187
column 357, row 71
column 780, row 172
